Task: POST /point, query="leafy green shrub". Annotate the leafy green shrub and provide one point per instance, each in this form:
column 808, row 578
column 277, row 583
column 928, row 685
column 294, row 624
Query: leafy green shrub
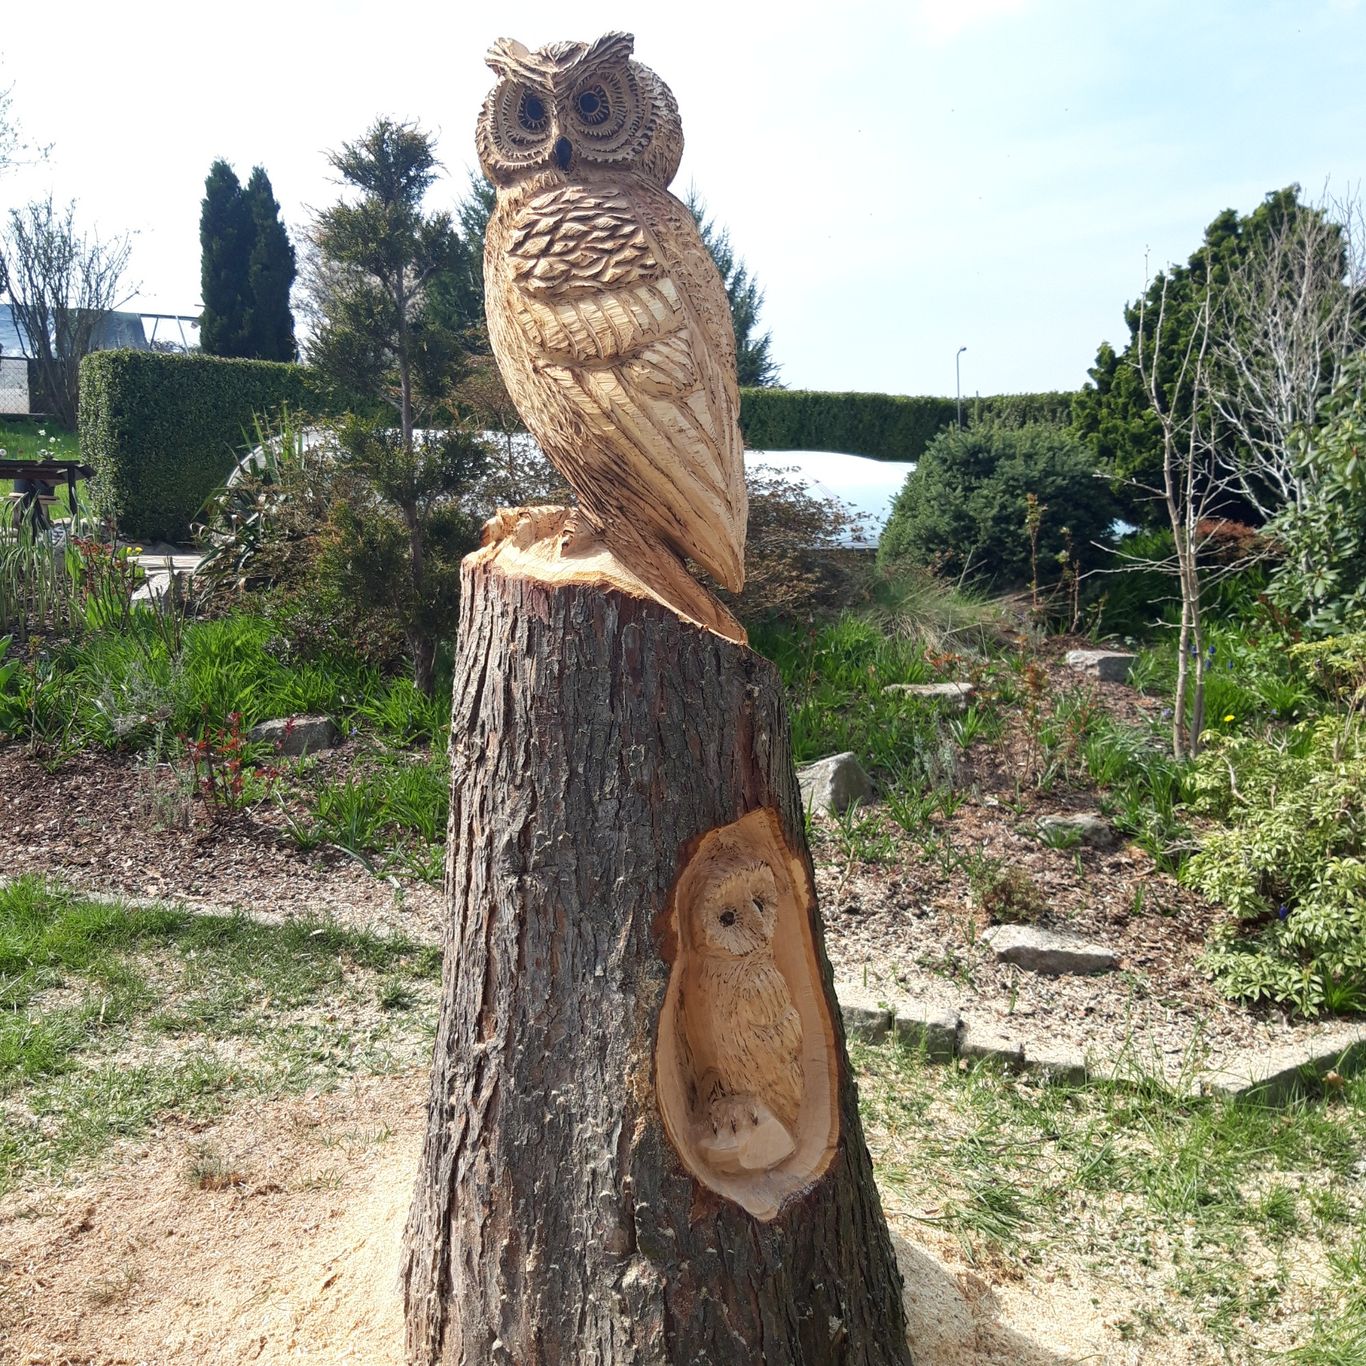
column 1337, row 665
column 362, row 533
column 1322, row 578
column 880, row 426
column 963, row 508
column 1289, row 864
column 162, row 431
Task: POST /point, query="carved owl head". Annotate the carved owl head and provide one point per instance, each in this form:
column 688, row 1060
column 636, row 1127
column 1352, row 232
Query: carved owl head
column 736, row 909
column 571, row 108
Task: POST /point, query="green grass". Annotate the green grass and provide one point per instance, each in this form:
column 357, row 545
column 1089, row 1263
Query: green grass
column 113, row 1016
column 134, row 689
column 836, row 675
column 1206, row 1209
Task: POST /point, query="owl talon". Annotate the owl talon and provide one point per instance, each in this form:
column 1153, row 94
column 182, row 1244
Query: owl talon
column 746, row 1136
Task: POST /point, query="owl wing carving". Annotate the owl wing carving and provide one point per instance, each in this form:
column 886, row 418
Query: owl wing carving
column 618, row 322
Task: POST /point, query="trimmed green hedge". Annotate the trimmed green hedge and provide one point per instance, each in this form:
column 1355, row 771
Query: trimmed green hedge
column 882, row 426
column 163, row 431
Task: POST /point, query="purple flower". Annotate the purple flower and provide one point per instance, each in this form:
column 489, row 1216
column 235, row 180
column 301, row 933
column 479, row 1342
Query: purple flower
column 1283, row 911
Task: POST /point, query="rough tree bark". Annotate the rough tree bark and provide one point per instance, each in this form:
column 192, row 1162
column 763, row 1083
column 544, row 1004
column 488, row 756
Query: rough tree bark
column 563, row 1211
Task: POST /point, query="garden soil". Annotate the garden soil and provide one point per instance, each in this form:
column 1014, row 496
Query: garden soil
column 273, row 1234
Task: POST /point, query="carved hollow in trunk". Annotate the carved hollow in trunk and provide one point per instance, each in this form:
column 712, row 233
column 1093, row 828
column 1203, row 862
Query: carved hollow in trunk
column 745, row 1062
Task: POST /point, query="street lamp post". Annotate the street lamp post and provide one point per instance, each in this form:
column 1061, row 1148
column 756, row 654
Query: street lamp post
column 958, row 383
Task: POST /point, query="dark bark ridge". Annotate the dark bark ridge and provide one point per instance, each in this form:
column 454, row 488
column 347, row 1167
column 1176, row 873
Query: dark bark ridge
column 596, row 739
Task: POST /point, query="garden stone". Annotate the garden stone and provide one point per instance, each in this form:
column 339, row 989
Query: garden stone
column 1089, row 827
column 834, row 784
column 158, row 587
column 1047, row 951
column 987, row 1041
column 1107, row 666
column 1277, row 1073
column 864, row 1018
column 1056, row 1062
column 295, row 736
column 954, row 696
column 922, row 1026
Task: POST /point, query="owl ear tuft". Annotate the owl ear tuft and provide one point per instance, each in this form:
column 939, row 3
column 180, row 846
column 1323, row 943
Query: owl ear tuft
column 616, row 45
column 506, row 55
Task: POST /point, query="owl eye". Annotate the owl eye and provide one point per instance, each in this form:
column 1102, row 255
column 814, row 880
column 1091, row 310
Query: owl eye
column 593, row 105
column 759, row 904
column 531, row 112
column 727, row 918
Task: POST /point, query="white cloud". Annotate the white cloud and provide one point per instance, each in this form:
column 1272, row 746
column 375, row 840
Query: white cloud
column 944, row 20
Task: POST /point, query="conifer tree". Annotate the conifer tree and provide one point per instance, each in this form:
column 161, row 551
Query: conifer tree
column 270, row 274
column 225, row 241
column 753, row 362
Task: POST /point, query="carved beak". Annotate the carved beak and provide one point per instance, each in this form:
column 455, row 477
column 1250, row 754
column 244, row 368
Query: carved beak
column 563, row 153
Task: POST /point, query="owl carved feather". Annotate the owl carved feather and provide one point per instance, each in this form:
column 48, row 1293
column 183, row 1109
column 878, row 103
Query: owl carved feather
column 607, row 316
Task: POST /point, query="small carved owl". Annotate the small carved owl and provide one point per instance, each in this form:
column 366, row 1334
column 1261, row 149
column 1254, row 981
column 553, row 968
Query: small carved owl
column 606, row 313
column 743, row 1034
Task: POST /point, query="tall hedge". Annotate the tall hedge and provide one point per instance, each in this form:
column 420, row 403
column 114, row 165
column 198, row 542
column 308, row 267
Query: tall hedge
column 163, row 431
column 881, row 426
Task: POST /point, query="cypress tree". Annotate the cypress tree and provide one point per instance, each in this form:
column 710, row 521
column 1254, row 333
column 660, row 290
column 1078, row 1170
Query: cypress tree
column 225, row 239
column 270, row 273
column 754, row 364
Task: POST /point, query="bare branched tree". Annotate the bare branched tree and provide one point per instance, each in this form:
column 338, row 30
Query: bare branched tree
column 1193, row 482
column 1291, row 311
column 61, row 285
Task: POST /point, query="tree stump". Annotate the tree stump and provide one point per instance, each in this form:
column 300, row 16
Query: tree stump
column 643, row 1143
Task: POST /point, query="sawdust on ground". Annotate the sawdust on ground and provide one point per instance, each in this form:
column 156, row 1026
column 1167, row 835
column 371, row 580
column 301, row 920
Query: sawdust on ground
column 273, row 1235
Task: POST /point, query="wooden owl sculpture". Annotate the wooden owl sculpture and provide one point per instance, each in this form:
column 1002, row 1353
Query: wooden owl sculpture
column 606, row 313
column 742, row 1033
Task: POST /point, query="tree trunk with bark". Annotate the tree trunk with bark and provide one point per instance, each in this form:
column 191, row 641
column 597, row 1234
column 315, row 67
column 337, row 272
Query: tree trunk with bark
column 643, row 1143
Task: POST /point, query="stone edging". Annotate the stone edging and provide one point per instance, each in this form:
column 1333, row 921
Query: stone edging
column 1273, row 1074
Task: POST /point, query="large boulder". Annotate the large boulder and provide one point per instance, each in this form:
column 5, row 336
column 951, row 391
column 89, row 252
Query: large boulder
column 834, row 784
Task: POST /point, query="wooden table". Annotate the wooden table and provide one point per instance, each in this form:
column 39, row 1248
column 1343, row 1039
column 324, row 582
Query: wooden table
column 47, row 472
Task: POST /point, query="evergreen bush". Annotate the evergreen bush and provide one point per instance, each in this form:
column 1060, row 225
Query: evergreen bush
column 963, row 510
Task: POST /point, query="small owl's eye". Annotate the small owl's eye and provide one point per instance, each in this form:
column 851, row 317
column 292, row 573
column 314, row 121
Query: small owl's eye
column 593, row 105
column 759, row 904
column 531, row 112
column 727, row 917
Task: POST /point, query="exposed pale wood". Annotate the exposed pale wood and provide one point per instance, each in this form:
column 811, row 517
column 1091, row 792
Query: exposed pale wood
column 606, row 313
column 746, row 1060
column 552, row 544
column 565, row 1213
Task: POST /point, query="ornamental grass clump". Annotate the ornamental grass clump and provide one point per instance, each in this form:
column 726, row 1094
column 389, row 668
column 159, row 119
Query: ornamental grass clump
column 1289, row 863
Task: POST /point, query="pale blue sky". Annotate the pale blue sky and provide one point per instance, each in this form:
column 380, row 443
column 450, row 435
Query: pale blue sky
column 903, row 178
